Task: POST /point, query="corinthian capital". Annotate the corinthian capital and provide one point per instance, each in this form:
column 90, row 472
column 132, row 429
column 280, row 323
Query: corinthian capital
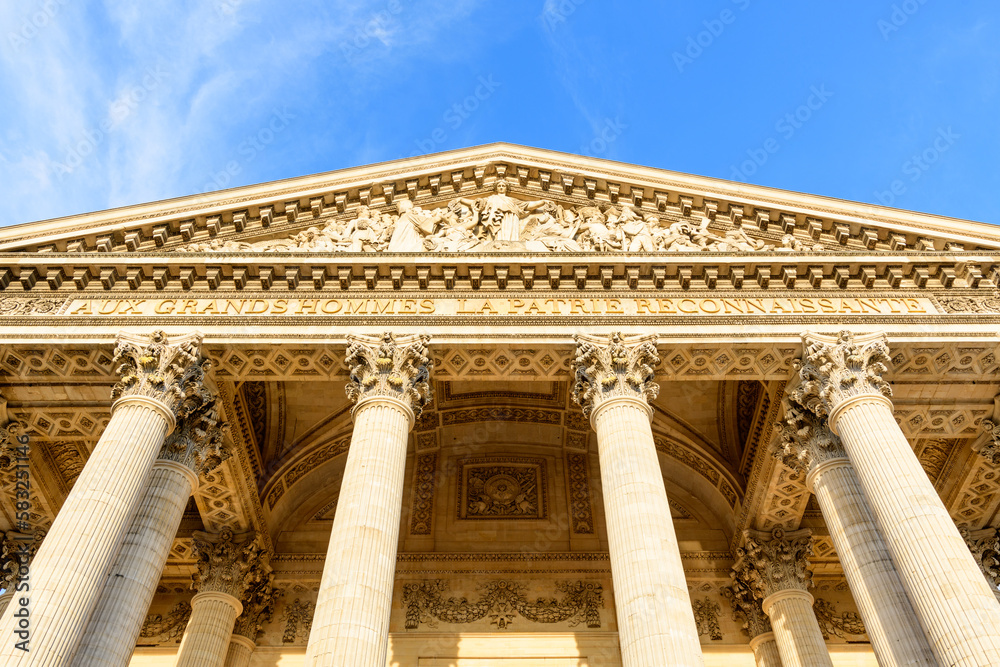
column 746, row 608
column 9, row 434
column 985, row 547
column 990, row 449
column 388, row 366
column 258, row 603
column 834, row 369
column 16, row 552
column 772, row 562
column 614, row 367
column 229, row 562
column 806, row 439
column 169, row 370
column 198, row 441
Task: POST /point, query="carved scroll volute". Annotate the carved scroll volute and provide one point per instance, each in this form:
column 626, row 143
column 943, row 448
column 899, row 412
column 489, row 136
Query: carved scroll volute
column 806, row 440
column 390, row 367
column 770, row 563
column 746, row 607
column 614, row 366
column 834, row 369
column 170, row 371
column 198, row 441
column 228, row 562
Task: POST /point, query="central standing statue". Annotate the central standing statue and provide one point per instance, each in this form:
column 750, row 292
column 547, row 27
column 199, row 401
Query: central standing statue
column 500, row 214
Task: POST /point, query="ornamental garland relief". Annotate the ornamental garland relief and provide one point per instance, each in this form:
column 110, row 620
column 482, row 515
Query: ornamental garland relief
column 499, row 222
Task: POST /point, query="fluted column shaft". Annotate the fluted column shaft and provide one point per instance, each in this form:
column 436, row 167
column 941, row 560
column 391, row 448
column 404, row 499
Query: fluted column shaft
column 765, row 650
column 956, row 608
column 893, row 628
column 240, row 651
column 5, row 600
column 655, row 622
column 206, row 638
column 796, row 631
column 351, row 623
column 117, row 621
column 68, row 572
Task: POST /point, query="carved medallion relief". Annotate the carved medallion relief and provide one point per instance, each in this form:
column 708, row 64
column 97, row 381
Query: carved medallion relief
column 502, row 488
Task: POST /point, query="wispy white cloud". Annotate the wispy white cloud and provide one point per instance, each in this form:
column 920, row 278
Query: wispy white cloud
column 128, row 102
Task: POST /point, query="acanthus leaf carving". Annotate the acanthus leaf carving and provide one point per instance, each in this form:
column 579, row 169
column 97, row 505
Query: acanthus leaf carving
column 228, row 562
column 614, row 367
column 390, row 366
column 198, row 441
column 746, row 607
column 990, row 450
column 170, row 370
column 985, row 547
column 169, row 627
column 258, row 607
column 769, row 563
column 805, row 439
column 835, row 369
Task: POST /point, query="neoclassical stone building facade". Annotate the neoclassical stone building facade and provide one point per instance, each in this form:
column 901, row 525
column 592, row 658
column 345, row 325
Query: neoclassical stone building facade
column 500, row 407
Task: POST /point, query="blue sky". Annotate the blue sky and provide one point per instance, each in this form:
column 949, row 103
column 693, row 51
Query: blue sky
column 115, row 103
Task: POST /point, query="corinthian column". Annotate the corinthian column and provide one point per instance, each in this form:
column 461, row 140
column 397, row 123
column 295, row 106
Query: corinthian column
column 614, row 382
column 161, row 381
column 229, row 566
column 195, row 447
column 842, row 378
column 773, row 566
column 257, row 610
column 389, row 385
column 808, row 445
column 756, row 624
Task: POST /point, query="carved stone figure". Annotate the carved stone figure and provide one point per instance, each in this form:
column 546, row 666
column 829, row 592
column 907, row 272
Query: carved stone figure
column 501, row 215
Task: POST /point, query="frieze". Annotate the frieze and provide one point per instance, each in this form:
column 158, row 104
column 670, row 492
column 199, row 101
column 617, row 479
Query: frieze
column 491, row 307
column 499, row 222
column 169, row 627
column 502, row 602
column 835, row 624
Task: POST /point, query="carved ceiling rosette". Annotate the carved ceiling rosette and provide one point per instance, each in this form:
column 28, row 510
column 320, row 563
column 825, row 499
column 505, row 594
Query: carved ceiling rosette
column 388, row 366
column 805, row 439
column 169, row 370
column 615, row 366
column 198, row 441
column 258, row 605
column 228, row 562
column 773, row 562
column 835, row 369
column 746, row 608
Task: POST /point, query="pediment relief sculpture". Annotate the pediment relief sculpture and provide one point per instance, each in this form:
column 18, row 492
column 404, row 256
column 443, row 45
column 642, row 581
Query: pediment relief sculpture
column 501, row 222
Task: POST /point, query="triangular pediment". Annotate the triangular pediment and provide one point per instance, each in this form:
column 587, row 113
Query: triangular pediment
column 451, row 203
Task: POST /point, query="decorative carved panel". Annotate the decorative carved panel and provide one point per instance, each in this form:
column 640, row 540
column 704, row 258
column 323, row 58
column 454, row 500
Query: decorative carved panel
column 579, row 493
column 502, row 488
